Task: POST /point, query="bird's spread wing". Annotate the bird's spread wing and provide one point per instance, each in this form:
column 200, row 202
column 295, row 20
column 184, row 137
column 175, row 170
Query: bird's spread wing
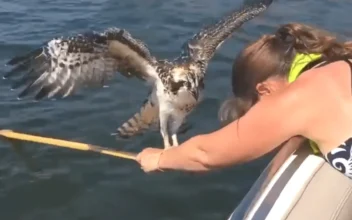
column 202, row 46
column 63, row 65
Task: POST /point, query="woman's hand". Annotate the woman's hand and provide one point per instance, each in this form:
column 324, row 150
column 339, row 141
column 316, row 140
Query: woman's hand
column 149, row 159
column 186, row 156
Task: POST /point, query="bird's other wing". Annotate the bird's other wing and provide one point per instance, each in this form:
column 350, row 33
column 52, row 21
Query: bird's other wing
column 63, row 65
column 202, row 46
column 147, row 117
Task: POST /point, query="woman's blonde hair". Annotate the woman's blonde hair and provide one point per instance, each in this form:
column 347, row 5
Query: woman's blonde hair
column 272, row 55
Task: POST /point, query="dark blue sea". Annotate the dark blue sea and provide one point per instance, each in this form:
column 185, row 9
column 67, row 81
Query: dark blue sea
column 48, row 183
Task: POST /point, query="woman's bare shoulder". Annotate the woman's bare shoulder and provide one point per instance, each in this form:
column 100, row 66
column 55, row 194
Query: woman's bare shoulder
column 327, row 78
column 333, row 79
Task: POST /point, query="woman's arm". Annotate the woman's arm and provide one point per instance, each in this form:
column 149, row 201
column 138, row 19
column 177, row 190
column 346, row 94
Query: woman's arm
column 266, row 125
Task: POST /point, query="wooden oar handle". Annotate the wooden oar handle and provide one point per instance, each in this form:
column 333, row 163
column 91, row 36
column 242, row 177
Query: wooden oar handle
column 66, row 144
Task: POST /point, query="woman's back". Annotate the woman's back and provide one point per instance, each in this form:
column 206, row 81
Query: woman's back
column 327, row 92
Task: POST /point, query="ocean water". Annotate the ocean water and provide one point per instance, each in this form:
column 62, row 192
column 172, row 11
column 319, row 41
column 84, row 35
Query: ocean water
column 43, row 182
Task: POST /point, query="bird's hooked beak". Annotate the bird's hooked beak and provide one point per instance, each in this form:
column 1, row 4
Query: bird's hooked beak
column 195, row 94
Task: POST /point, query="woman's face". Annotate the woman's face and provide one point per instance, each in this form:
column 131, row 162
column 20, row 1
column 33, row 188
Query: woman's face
column 271, row 85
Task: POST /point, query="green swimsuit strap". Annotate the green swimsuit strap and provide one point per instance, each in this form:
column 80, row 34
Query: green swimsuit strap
column 298, row 66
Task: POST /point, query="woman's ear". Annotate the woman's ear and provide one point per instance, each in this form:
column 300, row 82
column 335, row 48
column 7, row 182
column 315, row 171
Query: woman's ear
column 263, row 88
column 270, row 85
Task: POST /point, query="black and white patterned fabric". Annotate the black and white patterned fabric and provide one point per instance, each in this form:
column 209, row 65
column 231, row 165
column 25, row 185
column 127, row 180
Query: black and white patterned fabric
column 341, row 158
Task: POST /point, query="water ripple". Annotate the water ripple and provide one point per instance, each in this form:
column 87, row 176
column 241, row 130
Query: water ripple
column 42, row 182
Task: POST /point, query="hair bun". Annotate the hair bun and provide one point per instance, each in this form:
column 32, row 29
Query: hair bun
column 284, row 35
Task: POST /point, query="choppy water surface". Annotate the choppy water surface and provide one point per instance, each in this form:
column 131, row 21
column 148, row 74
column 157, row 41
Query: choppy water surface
column 47, row 183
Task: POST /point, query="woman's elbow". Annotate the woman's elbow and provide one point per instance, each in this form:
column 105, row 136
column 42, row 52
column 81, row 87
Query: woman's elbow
column 204, row 156
column 213, row 156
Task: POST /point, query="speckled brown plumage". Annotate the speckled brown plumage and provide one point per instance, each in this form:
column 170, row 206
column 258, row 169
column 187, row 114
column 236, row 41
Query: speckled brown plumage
column 63, row 65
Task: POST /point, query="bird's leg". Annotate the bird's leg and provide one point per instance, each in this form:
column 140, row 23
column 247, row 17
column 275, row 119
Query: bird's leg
column 174, row 140
column 166, row 140
column 164, row 130
column 176, row 122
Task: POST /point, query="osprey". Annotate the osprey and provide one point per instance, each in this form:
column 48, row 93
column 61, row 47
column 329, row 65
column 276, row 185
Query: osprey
column 63, row 65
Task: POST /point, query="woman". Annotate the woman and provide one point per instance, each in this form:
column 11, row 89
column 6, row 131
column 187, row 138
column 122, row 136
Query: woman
column 296, row 82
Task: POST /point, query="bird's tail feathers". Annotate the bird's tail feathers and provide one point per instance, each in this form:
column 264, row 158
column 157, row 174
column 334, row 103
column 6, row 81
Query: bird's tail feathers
column 145, row 118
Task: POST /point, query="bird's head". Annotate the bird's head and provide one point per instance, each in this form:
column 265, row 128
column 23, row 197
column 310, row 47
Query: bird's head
column 186, row 80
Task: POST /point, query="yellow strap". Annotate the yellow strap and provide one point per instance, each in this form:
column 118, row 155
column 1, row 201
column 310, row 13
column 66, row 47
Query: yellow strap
column 314, row 147
column 66, row 144
column 300, row 61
